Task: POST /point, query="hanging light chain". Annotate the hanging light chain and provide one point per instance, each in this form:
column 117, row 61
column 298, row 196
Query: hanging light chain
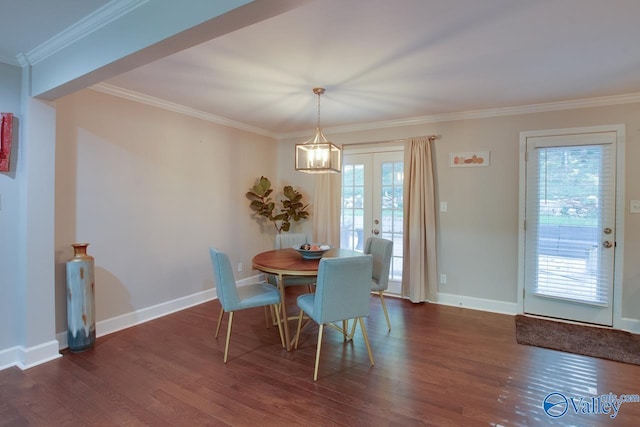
column 318, row 91
column 318, row 125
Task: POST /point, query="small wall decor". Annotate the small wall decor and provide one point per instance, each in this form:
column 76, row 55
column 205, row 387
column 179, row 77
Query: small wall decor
column 5, row 141
column 469, row 159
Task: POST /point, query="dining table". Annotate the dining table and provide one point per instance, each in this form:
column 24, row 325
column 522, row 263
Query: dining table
column 289, row 262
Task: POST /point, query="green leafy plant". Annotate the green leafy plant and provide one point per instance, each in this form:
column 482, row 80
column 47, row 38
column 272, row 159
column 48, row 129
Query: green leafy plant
column 291, row 209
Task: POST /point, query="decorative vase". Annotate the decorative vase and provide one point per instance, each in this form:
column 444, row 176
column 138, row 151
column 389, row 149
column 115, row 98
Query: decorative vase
column 81, row 305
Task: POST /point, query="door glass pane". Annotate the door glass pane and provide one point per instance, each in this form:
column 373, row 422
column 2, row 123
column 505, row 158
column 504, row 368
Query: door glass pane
column 352, row 217
column 392, row 175
column 570, row 196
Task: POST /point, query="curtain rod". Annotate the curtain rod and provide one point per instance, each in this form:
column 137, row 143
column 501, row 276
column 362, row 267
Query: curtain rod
column 429, row 137
column 389, row 141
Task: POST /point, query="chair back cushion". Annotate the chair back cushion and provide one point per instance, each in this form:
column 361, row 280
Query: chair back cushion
column 225, row 281
column 381, row 249
column 289, row 240
column 343, row 288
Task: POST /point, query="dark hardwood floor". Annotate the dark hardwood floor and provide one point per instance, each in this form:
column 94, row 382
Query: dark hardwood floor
column 439, row 366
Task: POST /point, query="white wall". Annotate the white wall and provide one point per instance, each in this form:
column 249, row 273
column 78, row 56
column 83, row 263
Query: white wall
column 10, row 84
column 478, row 236
column 27, row 267
column 151, row 190
column 36, row 230
column 26, row 203
column 27, row 282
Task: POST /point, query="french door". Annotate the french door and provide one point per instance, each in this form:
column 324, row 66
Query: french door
column 372, row 204
column 570, row 226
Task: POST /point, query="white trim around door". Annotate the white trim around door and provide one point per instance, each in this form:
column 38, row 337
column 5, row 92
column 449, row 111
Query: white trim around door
column 619, row 130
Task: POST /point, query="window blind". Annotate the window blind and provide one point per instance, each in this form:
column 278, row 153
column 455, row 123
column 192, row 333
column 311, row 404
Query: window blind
column 573, row 209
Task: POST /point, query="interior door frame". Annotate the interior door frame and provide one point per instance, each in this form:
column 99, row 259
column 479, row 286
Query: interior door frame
column 619, row 208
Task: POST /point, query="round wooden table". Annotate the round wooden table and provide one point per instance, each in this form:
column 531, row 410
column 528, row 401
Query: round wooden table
column 288, row 262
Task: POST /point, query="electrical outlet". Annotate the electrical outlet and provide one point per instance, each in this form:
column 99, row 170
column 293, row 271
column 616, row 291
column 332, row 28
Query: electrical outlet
column 239, row 267
column 443, row 279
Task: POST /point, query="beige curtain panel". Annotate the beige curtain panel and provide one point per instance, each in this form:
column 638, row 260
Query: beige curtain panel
column 419, row 278
column 326, row 209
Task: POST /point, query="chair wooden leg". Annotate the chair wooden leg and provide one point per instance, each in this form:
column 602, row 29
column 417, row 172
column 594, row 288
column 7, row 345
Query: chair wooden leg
column 275, row 308
column 226, row 346
column 384, row 308
column 315, row 370
column 353, row 329
column 284, row 315
column 366, row 339
column 266, row 316
column 219, row 322
column 345, row 326
column 299, row 327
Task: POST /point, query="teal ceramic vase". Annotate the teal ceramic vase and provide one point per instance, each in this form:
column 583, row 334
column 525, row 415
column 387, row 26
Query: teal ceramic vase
column 81, row 322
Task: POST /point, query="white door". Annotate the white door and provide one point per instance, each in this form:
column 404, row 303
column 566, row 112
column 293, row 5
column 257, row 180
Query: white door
column 570, row 226
column 372, row 204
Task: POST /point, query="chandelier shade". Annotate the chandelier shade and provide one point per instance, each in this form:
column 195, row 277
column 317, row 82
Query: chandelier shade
column 317, row 155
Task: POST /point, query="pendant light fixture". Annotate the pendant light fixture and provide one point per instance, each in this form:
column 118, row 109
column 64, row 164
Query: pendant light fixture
column 317, row 155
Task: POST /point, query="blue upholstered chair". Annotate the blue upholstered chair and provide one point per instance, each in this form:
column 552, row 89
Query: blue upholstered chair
column 234, row 298
column 343, row 292
column 382, row 250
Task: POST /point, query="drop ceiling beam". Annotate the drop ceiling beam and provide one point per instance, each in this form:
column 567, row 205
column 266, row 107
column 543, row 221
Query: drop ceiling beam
column 151, row 31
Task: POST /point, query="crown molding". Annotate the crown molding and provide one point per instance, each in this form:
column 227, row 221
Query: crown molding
column 90, row 23
column 387, row 124
column 10, row 61
column 479, row 114
column 177, row 108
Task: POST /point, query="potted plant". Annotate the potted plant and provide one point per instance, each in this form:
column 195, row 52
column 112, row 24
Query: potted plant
column 291, row 209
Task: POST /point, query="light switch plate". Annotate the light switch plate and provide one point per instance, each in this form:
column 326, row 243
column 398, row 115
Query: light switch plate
column 443, row 206
column 634, row 206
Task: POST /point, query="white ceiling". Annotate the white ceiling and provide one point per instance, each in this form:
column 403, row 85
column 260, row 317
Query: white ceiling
column 379, row 60
column 26, row 24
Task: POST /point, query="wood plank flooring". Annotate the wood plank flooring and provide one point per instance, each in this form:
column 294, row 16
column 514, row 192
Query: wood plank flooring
column 439, row 366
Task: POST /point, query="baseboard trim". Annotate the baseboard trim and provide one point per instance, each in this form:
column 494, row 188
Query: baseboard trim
column 28, row 357
column 478, row 303
column 630, row 325
column 15, row 355
column 9, row 357
column 25, row 358
column 118, row 323
column 37, row 355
